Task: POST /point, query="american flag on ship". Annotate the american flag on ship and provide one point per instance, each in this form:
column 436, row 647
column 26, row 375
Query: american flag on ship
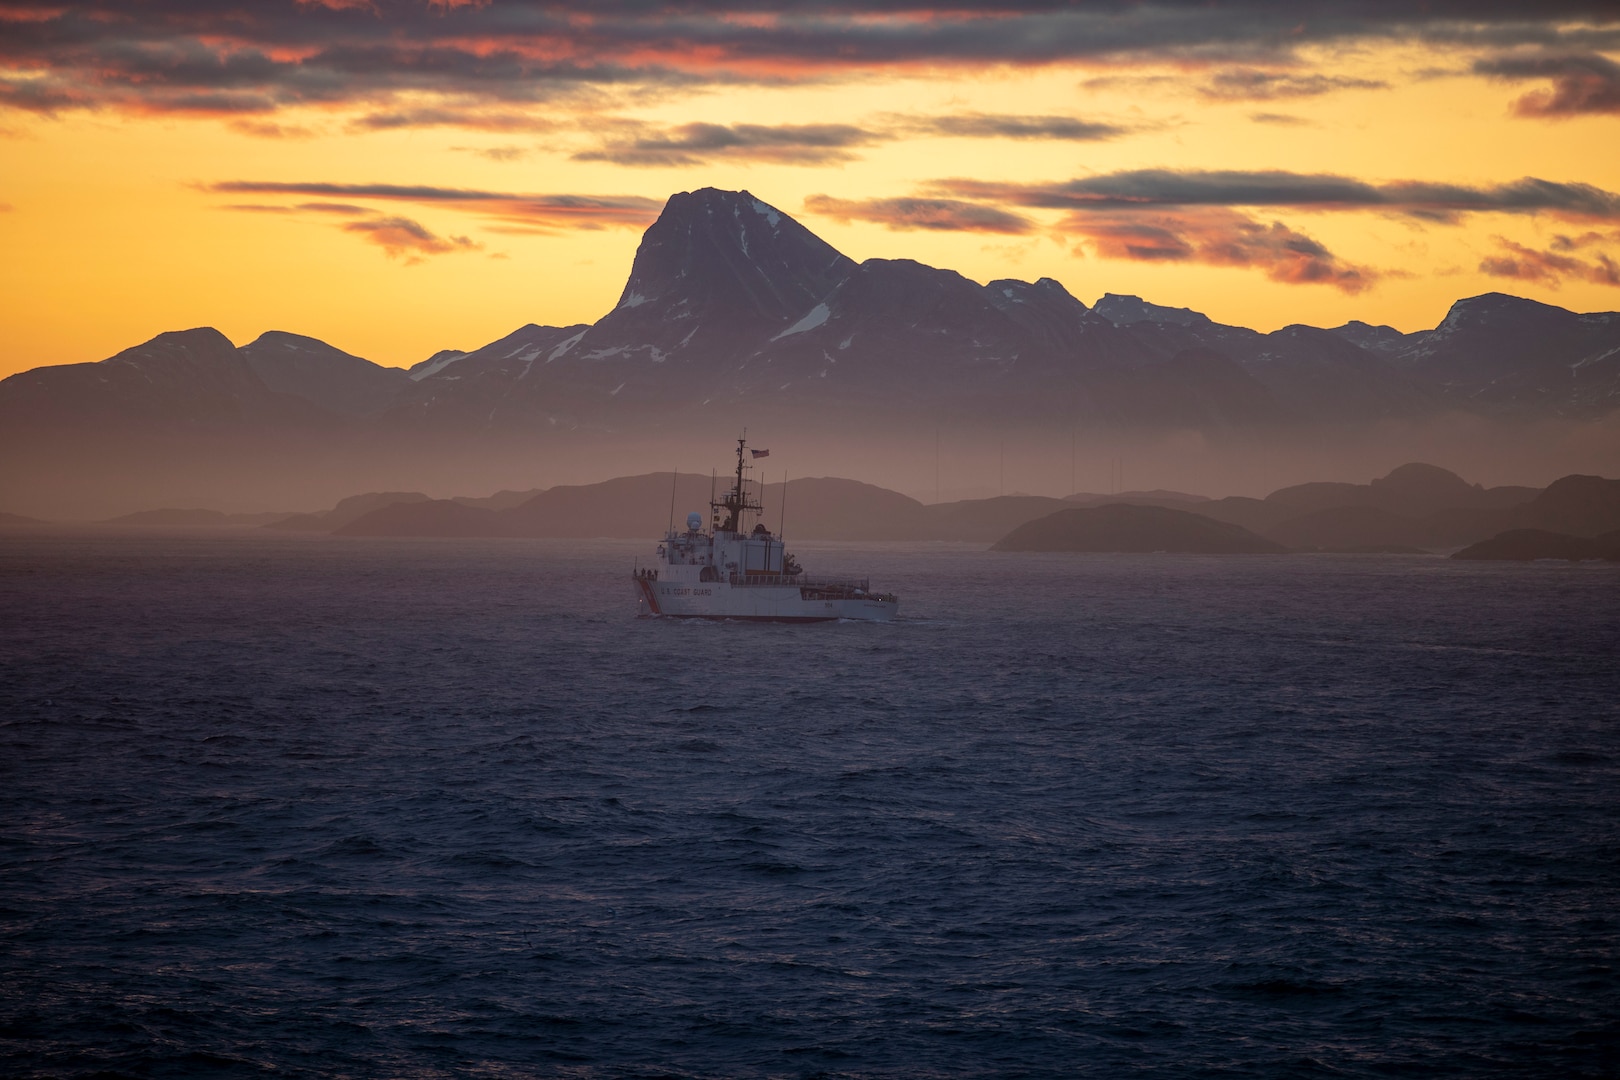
column 760, row 453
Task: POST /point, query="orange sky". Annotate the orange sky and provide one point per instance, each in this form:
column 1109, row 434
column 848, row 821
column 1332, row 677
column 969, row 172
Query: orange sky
column 181, row 168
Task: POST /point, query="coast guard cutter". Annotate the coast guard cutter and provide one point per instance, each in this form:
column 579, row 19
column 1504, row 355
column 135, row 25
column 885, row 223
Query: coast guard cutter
column 732, row 572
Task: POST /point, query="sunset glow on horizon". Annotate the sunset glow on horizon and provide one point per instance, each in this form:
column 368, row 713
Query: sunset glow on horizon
column 397, row 178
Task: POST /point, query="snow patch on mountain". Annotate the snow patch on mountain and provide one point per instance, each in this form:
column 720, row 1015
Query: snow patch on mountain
column 528, row 359
column 435, row 364
column 814, row 318
column 562, row 348
column 1599, row 358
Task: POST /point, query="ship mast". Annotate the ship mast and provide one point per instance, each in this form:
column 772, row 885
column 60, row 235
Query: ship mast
column 736, row 502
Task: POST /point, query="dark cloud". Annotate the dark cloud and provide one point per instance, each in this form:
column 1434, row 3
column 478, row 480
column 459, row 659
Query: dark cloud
column 1581, row 84
column 1283, row 119
column 993, row 126
column 206, row 57
column 690, row 144
column 1215, row 236
column 341, row 209
column 1163, row 215
column 1552, row 268
column 634, row 143
column 533, row 212
column 940, row 215
column 335, row 208
column 400, row 237
column 1146, row 188
column 1251, row 84
column 475, row 119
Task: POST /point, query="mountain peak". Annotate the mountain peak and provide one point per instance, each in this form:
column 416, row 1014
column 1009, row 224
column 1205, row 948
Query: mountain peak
column 199, row 345
column 1383, row 339
column 1122, row 310
column 309, row 368
column 1495, row 307
column 1420, row 481
column 715, row 252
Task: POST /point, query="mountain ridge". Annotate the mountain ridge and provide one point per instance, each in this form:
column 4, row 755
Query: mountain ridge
column 731, row 300
column 732, row 310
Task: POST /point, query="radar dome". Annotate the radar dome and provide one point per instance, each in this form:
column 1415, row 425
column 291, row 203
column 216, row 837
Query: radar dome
column 694, row 521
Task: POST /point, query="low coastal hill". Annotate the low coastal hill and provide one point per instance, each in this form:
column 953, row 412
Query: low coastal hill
column 1414, row 507
column 1578, row 505
column 1528, row 545
column 1121, row 527
column 819, row 508
column 172, row 518
column 346, row 511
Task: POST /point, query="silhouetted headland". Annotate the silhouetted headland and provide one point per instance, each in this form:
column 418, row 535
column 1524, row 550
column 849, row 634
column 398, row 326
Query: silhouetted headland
column 1120, row 527
column 193, row 518
column 1528, row 545
column 1414, row 508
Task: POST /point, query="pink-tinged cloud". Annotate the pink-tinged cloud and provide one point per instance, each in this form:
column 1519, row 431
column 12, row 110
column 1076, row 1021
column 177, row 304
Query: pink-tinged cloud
column 936, row 215
column 1550, row 268
column 542, row 213
column 1582, row 85
column 400, row 237
column 1215, row 236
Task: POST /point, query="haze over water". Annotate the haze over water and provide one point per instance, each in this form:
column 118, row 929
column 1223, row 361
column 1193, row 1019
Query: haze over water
column 309, row 806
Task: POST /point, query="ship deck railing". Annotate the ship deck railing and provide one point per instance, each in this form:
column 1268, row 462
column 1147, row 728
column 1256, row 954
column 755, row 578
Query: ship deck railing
column 798, row 581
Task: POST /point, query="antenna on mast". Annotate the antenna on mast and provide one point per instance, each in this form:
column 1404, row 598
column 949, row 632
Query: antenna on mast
column 673, row 477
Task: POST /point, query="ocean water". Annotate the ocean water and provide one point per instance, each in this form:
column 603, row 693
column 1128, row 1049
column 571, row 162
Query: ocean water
column 290, row 806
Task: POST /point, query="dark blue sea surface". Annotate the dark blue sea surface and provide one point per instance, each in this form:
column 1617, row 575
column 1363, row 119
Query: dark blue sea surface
column 416, row 808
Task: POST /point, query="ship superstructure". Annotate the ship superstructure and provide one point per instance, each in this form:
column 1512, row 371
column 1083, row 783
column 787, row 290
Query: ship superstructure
column 734, row 571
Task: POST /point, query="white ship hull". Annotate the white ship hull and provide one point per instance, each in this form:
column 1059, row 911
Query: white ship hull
column 760, row 602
